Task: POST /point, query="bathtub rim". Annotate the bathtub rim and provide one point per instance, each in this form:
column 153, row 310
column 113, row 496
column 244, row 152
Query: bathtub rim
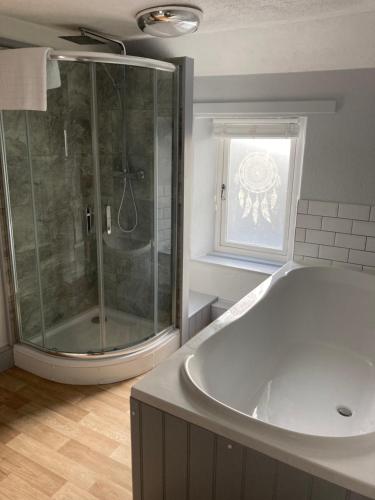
column 249, row 301
column 357, row 439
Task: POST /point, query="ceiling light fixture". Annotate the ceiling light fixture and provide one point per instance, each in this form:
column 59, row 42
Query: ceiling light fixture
column 169, row 20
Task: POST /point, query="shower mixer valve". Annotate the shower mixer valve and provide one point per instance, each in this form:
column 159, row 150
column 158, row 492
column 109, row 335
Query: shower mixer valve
column 138, row 175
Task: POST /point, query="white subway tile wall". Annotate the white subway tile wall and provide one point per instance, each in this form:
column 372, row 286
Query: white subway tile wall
column 301, row 234
column 335, row 234
column 303, row 206
column 321, row 237
column 355, row 212
column 370, row 244
column 323, row 208
column 336, row 224
column 309, row 221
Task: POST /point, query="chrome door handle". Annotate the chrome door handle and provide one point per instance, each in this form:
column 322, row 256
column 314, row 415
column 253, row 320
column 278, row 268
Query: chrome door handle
column 89, row 220
column 66, row 147
column 108, row 219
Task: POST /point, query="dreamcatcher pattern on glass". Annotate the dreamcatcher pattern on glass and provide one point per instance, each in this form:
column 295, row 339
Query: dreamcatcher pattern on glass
column 259, row 179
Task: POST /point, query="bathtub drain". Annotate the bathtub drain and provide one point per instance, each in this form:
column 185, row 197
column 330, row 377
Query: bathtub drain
column 344, row 411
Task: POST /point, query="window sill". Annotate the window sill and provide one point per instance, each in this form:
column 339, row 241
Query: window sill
column 238, row 263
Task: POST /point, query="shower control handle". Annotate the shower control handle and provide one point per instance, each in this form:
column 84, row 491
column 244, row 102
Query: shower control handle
column 108, row 218
column 89, row 220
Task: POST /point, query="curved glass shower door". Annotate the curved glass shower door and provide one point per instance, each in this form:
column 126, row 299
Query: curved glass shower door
column 125, row 100
column 135, row 128
column 90, row 209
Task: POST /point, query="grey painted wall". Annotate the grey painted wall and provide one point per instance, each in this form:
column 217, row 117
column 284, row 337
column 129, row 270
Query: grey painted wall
column 339, row 162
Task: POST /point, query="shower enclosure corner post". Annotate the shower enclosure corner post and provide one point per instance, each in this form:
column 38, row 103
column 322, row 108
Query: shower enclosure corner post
column 185, row 67
column 176, row 292
column 156, row 204
column 98, row 205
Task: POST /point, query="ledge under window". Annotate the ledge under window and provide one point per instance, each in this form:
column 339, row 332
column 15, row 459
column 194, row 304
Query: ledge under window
column 238, row 263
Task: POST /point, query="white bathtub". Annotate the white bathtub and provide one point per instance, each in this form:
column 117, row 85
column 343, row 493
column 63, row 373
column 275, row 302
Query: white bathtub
column 294, row 353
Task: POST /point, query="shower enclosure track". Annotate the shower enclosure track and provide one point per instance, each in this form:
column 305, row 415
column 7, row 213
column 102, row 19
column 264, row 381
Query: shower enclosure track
column 99, row 57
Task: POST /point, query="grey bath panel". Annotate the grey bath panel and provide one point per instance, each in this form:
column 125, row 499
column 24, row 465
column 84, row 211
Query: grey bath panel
column 260, row 476
column 229, row 469
column 323, row 490
column 176, row 458
column 292, row 483
column 135, row 415
column 152, row 453
column 201, row 463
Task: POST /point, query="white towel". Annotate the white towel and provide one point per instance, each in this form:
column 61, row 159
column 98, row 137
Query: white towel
column 53, row 75
column 23, row 79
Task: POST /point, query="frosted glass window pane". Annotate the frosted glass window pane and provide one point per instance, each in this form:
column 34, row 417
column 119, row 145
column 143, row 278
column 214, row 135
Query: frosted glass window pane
column 257, row 189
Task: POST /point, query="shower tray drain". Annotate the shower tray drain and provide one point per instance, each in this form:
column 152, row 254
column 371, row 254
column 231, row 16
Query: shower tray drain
column 344, row 411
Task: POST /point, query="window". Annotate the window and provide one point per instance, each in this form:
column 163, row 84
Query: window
column 259, row 171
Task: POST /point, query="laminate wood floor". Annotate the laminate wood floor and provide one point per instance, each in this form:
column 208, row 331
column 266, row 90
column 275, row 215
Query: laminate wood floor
column 63, row 442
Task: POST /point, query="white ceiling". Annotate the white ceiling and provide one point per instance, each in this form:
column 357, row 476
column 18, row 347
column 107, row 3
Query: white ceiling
column 117, row 16
column 343, row 42
column 236, row 36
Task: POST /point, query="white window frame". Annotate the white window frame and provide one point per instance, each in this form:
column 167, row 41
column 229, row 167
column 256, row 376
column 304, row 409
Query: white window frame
column 248, row 252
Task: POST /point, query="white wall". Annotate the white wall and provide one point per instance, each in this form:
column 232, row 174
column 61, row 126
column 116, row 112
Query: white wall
column 224, row 282
column 339, row 161
column 202, row 225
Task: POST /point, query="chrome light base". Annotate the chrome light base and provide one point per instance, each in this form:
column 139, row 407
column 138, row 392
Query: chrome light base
column 169, row 21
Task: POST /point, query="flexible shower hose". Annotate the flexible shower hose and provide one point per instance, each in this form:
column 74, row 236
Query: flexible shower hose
column 121, row 205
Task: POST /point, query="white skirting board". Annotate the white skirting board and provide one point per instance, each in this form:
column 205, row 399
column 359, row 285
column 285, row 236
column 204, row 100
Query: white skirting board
column 96, row 371
column 6, row 358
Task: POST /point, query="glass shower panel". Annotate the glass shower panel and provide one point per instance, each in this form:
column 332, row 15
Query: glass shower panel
column 125, row 103
column 63, row 180
column 91, row 200
column 22, row 219
column 165, row 202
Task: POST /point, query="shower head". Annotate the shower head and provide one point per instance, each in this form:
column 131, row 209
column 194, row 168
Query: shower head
column 91, row 37
column 82, row 40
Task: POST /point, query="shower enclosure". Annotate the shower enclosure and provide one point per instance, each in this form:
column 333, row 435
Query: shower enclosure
column 89, row 190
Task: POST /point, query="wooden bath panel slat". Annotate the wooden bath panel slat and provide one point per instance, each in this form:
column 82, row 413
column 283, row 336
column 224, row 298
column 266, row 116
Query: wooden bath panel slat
column 201, row 463
column 176, row 460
